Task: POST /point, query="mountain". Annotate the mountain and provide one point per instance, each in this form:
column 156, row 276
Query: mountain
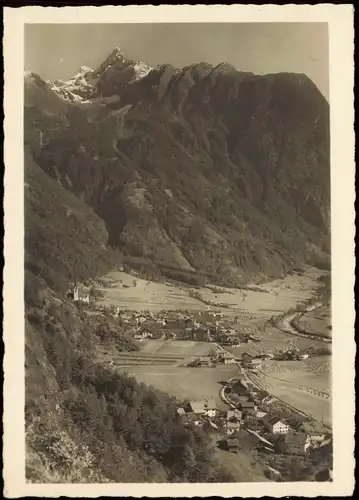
column 198, row 174
column 88, row 84
column 196, row 170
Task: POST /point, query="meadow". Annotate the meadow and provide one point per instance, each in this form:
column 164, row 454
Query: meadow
column 186, row 383
column 249, row 305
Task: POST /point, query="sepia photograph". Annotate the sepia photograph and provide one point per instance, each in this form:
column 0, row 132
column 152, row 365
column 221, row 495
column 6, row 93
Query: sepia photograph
column 177, row 260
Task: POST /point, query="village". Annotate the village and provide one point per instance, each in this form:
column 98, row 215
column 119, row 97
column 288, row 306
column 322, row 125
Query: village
column 257, row 422
column 254, row 422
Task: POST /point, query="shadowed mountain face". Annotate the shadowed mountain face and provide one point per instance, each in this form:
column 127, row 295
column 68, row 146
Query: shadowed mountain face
column 204, row 169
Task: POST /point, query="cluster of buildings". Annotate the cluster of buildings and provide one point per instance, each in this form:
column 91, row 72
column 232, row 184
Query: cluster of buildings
column 268, row 424
column 204, row 326
column 234, row 429
column 206, row 414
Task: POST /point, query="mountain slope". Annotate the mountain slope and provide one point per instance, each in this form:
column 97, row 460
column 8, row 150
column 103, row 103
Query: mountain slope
column 203, row 168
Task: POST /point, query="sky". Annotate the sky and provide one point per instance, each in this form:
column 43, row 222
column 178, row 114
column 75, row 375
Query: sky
column 56, row 51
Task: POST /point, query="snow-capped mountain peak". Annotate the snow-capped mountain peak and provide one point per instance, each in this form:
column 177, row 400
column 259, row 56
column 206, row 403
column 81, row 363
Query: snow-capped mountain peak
column 141, row 69
column 88, row 83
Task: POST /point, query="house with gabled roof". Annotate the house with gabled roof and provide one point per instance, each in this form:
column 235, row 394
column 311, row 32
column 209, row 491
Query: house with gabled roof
column 204, row 407
column 232, row 445
column 315, row 430
column 297, row 443
column 277, row 426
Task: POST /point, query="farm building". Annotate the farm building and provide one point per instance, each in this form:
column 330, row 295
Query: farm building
column 315, row 430
column 277, row 426
column 232, row 445
column 205, row 407
column 313, row 427
column 247, row 406
column 297, row 443
column 250, row 422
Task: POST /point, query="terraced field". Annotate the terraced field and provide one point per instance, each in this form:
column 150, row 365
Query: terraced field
column 157, row 352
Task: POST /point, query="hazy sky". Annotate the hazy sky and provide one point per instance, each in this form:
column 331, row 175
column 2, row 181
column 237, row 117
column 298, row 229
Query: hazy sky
column 58, row 50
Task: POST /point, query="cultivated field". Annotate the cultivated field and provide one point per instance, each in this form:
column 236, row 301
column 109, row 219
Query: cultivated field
column 250, row 306
column 274, row 340
column 126, row 291
column 157, row 352
column 303, row 384
column 181, row 348
column 186, row 383
column 306, row 385
column 312, row 373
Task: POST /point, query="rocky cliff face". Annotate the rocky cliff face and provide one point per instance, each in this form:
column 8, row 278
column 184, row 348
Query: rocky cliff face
column 201, row 169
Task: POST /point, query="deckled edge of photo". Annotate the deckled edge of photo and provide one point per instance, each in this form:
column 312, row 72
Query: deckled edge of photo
column 341, row 43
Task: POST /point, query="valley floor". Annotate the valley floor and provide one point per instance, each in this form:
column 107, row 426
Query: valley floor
column 251, row 305
column 305, row 384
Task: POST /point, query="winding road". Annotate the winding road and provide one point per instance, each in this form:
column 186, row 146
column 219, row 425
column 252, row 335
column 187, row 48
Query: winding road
column 286, row 324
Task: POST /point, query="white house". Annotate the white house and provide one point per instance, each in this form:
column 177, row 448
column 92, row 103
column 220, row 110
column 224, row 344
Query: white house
column 303, row 356
column 228, row 361
column 277, row 426
column 81, row 295
column 207, row 407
